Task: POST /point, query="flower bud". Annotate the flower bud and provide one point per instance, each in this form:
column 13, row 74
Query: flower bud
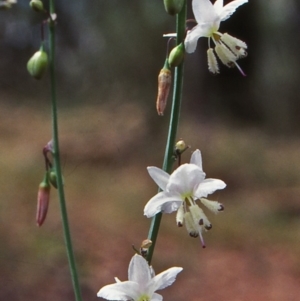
column 176, row 55
column 37, row 5
column 43, row 200
column 173, row 7
column 180, row 146
column 37, row 64
column 53, row 178
column 164, row 84
column 146, row 244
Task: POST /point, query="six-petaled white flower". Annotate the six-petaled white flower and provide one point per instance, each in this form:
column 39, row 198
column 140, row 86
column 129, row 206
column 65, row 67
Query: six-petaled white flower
column 209, row 17
column 181, row 190
column 141, row 284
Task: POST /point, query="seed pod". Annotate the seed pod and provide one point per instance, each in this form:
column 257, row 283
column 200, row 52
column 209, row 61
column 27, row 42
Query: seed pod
column 43, row 200
column 176, row 55
column 164, row 84
column 37, row 5
column 173, row 7
column 37, row 64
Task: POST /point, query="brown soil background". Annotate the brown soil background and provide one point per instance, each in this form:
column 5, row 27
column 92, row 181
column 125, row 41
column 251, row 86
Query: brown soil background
column 252, row 252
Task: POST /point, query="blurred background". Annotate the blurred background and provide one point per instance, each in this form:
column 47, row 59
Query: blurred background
column 109, row 54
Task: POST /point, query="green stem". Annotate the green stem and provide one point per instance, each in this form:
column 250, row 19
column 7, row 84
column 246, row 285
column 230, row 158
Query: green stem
column 56, row 156
column 173, row 125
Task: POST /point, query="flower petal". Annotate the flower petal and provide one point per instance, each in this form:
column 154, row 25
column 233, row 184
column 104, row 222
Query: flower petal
column 165, row 278
column 162, row 202
column 139, row 271
column 218, row 5
column 185, row 179
column 126, row 290
column 159, row 176
column 230, row 8
column 200, row 30
column 196, row 158
column 209, row 186
column 156, row 297
column 204, row 11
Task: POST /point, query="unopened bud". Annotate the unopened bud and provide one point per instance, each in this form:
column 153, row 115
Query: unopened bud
column 176, row 55
column 53, row 178
column 180, row 146
column 43, row 200
column 173, row 7
column 164, row 84
column 37, row 5
column 37, row 64
column 146, row 244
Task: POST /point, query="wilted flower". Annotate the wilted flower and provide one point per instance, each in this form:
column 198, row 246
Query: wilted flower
column 181, row 190
column 209, row 17
column 141, row 284
column 164, row 85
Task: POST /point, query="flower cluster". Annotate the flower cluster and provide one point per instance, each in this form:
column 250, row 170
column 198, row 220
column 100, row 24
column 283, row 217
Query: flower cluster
column 187, row 188
column 180, row 191
column 209, row 17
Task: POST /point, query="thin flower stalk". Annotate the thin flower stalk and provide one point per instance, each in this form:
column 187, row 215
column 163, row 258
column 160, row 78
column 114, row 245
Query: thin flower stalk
column 173, row 124
column 56, row 156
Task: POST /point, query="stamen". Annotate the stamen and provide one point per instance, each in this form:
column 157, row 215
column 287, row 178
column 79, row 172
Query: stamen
column 212, row 61
column 208, row 227
column 201, row 239
column 190, row 226
column 240, row 69
column 221, row 208
column 180, row 216
column 213, row 206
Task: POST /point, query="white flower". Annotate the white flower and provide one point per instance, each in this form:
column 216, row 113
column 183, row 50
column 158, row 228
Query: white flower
column 181, row 190
column 209, row 17
column 141, row 284
column 5, row 4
